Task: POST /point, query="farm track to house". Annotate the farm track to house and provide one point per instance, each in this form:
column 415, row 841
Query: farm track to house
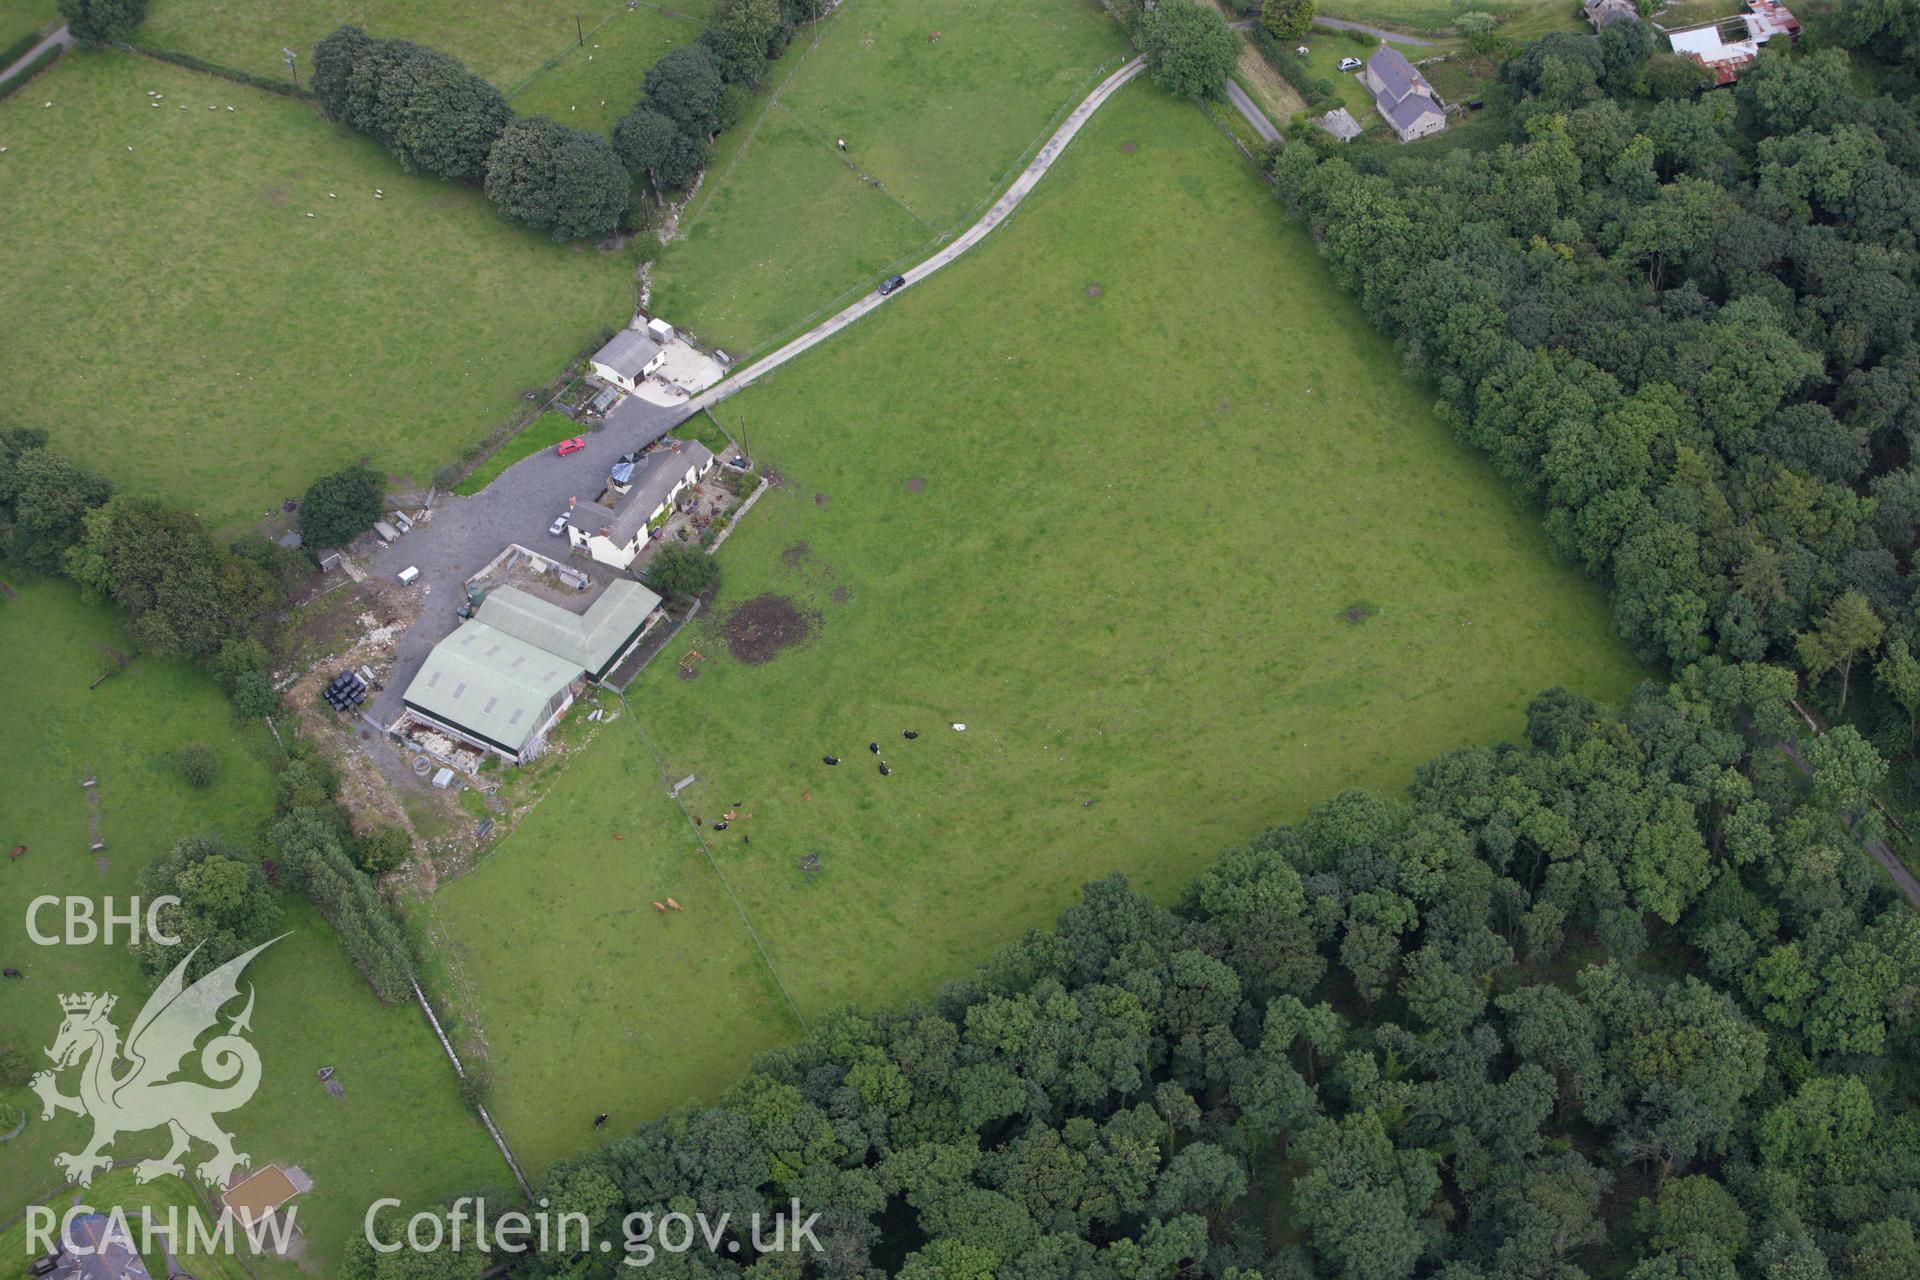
column 1001, row 210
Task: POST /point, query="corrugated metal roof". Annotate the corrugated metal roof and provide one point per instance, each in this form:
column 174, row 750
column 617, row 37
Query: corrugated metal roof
column 591, row 640
column 490, row 683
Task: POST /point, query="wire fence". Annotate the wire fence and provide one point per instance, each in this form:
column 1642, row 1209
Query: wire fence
column 706, row 851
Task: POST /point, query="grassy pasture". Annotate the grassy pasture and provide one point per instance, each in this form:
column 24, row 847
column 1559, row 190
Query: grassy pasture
column 505, row 42
column 785, row 223
column 1106, row 491
column 196, row 335
column 399, row 1129
column 1433, row 17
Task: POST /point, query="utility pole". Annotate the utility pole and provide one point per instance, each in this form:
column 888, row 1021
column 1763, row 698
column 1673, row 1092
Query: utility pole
column 579, row 32
column 293, row 71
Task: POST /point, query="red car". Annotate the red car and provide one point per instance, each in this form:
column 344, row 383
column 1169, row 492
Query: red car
column 574, row 445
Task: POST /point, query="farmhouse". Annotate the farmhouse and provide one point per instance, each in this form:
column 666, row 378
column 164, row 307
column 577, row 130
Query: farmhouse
column 1724, row 47
column 101, row 1251
column 503, row 679
column 1402, row 95
column 1604, row 13
column 629, row 356
column 637, row 501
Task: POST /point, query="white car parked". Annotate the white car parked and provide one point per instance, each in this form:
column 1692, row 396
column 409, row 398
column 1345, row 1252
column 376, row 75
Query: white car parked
column 1349, row 64
column 559, row 525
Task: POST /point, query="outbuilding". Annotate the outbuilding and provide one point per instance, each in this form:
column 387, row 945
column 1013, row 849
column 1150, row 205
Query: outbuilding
column 1340, row 123
column 628, row 358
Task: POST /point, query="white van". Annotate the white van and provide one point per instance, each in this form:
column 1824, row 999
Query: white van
column 409, row 574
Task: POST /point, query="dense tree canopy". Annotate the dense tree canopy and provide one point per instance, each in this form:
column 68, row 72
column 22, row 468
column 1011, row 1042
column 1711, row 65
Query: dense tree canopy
column 1464, row 1027
column 1188, row 48
column 225, row 906
column 1690, row 330
column 341, row 505
column 43, row 500
column 424, row 106
column 102, row 21
column 563, row 181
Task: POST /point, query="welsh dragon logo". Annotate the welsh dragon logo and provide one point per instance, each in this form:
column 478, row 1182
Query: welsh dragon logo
column 146, row 1096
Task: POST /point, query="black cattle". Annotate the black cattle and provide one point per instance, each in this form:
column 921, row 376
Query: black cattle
column 829, row 759
column 909, row 734
column 884, row 771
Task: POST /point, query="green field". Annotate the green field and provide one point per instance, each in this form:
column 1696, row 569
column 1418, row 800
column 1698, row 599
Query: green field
column 591, row 85
column 399, row 1128
column 785, row 224
column 544, row 432
column 506, row 42
column 18, row 18
column 1428, row 17
column 229, row 349
column 554, row 942
column 1118, row 537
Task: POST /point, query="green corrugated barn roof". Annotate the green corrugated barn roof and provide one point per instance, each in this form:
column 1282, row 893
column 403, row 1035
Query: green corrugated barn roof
column 491, row 684
column 593, row 640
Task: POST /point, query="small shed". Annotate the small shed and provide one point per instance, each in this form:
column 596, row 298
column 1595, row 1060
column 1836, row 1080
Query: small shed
column 329, row 558
column 1340, row 123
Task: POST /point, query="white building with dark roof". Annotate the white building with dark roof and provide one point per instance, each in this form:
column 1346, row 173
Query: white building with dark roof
column 629, row 356
column 614, row 529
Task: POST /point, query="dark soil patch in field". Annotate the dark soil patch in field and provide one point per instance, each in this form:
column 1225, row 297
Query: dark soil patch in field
column 1223, row 406
column 1095, row 291
column 819, row 499
column 275, row 195
column 840, row 595
column 1129, row 147
column 758, row 630
column 796, row 555
column 1358, row 612
column 916, row 485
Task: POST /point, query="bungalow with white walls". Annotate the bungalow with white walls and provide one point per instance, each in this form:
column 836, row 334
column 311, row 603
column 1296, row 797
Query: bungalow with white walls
column 639, row 498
